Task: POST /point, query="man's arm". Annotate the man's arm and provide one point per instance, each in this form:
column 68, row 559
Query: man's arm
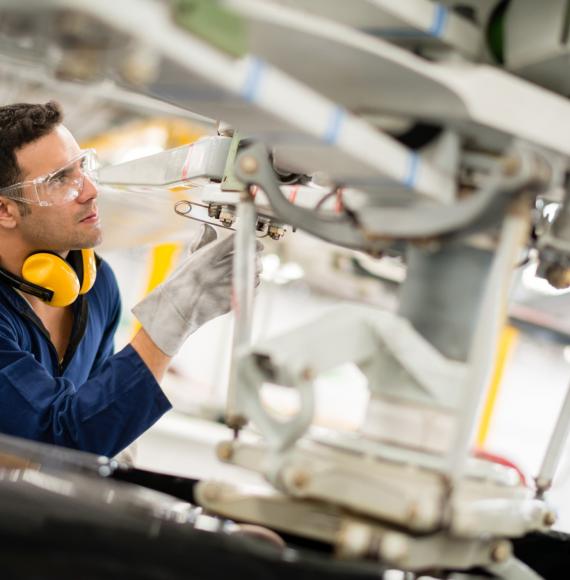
column 102, row 415
column 156, row 361
column 196, row 292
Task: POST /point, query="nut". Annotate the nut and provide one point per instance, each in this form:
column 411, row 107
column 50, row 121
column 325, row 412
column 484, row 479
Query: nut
column 276, row 232
column 226, row 217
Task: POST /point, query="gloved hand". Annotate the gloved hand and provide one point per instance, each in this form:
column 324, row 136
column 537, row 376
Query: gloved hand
column 197, row 291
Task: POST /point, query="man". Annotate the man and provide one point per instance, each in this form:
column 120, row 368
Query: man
column 59, row 379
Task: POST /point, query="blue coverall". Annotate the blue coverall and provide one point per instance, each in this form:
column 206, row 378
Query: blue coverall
column 93, row 400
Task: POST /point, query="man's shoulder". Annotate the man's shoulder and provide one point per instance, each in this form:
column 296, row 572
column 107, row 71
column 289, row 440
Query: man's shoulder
column 104, row 270
column 105, row 282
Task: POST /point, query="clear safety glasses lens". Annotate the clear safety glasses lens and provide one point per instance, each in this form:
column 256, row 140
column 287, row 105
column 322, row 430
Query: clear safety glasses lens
column 66, row 184
column 61, row 186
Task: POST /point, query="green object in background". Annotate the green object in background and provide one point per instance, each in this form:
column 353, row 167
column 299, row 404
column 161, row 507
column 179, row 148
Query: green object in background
column 230, row 182
column 496, row 31
column 217, row 25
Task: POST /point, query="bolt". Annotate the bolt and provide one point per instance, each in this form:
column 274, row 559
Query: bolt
column 501, row 551
column 226, row 217
column 353, row 540
column 542, row 485
column 549, row 519
column 276, row 232
column 307, row 374
column 236, row 421
column 248, row 164
column 214, row 210
column 300, row 479
column 105, row 471
column 225, row 451
column 261, row 224
column 394, row 547
column 225, row 130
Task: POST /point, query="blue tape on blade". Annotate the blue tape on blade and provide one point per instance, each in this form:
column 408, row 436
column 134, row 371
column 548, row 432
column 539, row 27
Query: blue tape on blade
column 439, row 21
column 334, row 125
column 412, row 170
column 253, row 80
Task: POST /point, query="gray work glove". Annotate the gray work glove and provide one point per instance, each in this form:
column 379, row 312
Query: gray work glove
column 198, row 290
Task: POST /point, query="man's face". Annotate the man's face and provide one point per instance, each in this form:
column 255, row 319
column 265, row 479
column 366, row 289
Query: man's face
column 72, row 225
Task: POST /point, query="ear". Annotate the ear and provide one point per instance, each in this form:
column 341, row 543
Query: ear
column 9, row 214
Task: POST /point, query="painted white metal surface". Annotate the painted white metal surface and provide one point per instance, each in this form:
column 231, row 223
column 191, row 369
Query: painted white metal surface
column 312, row 132
column 416, row 22
column 372, row 75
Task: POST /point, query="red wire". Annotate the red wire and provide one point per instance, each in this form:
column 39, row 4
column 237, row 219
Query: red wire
column 492, row 457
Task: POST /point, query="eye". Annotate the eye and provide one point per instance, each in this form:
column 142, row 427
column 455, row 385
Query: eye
column 58, row 179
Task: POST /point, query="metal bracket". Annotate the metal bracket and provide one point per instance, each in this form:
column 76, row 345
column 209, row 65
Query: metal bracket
column 372, row 227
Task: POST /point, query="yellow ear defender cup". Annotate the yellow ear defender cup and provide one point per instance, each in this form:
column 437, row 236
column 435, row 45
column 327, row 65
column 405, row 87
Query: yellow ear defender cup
column 89, row 270
column 53, row 273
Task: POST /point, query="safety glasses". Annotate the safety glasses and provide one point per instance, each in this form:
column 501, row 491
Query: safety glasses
column 59, row 187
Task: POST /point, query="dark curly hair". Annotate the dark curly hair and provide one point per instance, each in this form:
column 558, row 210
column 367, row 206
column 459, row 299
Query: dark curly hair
column 20, row 124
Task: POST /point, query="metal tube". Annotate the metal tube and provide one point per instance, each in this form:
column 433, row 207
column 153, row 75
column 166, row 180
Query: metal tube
column 243, row 293
column 491, row 319
column 555, row 447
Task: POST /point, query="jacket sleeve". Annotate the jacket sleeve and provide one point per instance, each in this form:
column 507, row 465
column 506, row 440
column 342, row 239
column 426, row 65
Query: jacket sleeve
column 103, row 415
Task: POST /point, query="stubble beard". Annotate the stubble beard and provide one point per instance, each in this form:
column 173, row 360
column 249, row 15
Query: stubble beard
column 52, row 238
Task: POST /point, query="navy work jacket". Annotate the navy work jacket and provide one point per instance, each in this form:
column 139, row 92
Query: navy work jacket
column 92, row 400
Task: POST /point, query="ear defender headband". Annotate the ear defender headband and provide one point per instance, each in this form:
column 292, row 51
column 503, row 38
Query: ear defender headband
column 54, row 280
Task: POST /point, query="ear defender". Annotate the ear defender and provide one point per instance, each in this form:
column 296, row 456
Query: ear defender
column 53, row 274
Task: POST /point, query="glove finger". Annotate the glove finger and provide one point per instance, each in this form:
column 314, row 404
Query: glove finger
column 206, row 235
column 222, row 248
column 225, row 263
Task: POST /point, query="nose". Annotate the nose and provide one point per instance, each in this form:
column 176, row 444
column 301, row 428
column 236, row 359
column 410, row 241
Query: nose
column 89, row 190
